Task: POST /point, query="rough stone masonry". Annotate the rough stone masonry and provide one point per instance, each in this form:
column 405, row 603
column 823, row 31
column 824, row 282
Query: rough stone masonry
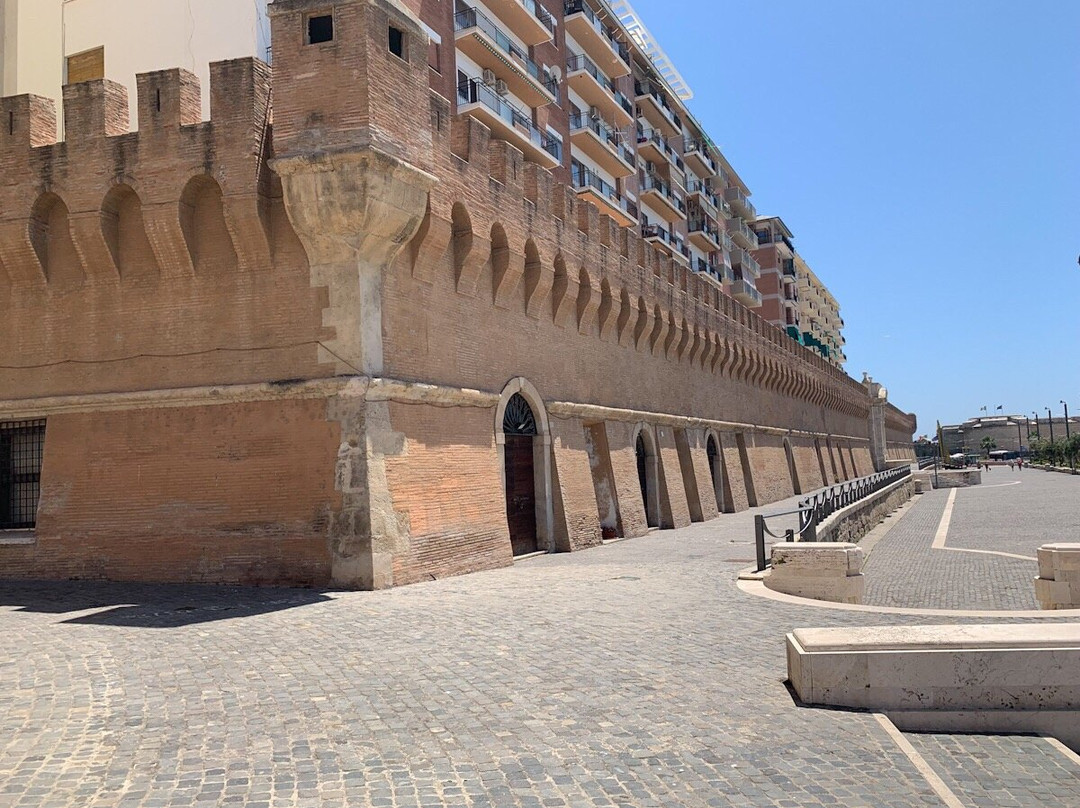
column 345, row 338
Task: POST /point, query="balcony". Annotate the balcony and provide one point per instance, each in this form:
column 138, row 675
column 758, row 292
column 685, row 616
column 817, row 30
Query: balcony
column 654, row 147
column 598, row 90
column 788, row 265
column 741, row 259
column 483, row 41
column 668, row 205
column 696, row 154
column 740, row 202
column 508, row 123
column 583, row 24
column 704, row 233
column 700, row 193
column 603, row 194
column 656, row 108
column 741, row 234
column 703, row 267
column 602, row 144
column 531, row 23
column 667, row 241
column 745, row 292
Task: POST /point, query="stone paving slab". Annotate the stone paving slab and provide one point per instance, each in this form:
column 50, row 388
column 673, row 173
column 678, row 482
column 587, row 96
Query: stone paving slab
column 1001, row 771
column 635, row 674
column 1014, row 513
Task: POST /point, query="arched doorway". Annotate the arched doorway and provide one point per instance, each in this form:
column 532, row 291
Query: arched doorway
column 646, row 468
column 519, row 429
column 716, row 473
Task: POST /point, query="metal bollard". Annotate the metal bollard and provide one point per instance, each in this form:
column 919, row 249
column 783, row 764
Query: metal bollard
column 759, row 540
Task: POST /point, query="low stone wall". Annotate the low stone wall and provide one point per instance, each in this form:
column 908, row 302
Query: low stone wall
column 955, row 478
column 855, row 521
column 1058, row 469
column 1058, row 584
column 977, row 678
column 821, row 570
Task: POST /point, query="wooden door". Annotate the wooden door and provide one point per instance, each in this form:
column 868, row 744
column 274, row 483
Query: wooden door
column 520, row 493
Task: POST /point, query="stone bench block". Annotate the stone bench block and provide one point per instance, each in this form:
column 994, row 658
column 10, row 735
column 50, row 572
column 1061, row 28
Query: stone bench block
column 829, row 571
column 948, row 668
column 1058, row 584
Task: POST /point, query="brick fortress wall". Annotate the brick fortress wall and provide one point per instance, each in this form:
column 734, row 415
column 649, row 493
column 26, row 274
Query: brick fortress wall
column 263, row 417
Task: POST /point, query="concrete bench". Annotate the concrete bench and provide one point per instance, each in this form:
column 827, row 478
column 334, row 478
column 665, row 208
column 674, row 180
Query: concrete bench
column 829, row 571
column 974, row 678
column 1058, row 584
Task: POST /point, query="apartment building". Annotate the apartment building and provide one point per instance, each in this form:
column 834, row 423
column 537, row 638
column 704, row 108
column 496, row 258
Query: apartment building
column 582, row 88
column 819, row 315
column 48, row 43
column 793, row 297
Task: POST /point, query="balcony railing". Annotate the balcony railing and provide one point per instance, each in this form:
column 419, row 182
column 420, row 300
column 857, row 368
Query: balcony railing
column 648, row 88
column 580, row 61
column 747, row 263
column 585, row 178
column 651, row 182
column 472, row 18
column 740, row 201
column 656, row 137
column 741, row 232
column 700, row 149
column 581, row 7
column 538, row 11
column 703, row 225
column 474, row 91
column 606, row 133
column 702, row 187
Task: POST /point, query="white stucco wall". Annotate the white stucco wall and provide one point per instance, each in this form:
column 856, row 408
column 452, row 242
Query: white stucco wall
column 144, row 35
column 31, row 42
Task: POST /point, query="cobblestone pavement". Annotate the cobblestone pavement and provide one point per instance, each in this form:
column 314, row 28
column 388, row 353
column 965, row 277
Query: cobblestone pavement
column 1000, row 771
column 635, row 674
column 1012, row 512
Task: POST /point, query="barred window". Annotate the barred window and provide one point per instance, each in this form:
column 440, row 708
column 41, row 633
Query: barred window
column 22, row 445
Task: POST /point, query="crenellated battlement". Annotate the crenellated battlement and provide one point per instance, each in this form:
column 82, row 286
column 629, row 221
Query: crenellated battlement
column 172, row 167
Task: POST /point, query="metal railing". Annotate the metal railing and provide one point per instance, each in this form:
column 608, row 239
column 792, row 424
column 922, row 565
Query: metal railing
column 474, row 91
column 612, row 136
column 581, row 7
column 815, row 509
column 471, row 18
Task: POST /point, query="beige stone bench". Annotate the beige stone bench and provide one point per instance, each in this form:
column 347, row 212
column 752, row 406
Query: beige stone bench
column 974, row 678
column 1058, row 584
column 829, row 571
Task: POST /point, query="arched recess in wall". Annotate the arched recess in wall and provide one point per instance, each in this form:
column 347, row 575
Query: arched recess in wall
column 202, row 219
column 50, row 235
column 648, row 474
column 793, row 470
column 523, row 441
column 717, row 474
column 125, row 234
column 500, row 256
column 462, row 234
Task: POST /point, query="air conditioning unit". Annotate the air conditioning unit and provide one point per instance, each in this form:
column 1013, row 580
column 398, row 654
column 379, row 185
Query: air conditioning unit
column 489, row 77
column 501, row 87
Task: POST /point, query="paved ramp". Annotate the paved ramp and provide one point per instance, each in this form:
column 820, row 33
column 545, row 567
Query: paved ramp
column 1001, row 771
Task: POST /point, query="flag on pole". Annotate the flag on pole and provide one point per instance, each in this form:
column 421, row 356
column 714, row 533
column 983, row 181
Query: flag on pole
column 1000, row 406
column 982, row 409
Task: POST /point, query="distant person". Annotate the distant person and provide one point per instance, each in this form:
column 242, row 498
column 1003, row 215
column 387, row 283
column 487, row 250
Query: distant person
column 1012, row 465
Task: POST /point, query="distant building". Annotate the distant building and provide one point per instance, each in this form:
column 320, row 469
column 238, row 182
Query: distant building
column 45, row 44
column 1009, row 432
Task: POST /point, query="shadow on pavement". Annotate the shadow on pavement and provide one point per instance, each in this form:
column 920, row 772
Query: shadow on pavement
column 150, row 605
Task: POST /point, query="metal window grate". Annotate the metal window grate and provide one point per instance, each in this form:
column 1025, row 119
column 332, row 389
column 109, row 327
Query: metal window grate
column 22, row 445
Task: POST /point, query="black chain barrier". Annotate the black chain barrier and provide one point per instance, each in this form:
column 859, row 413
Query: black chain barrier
column 816, row 509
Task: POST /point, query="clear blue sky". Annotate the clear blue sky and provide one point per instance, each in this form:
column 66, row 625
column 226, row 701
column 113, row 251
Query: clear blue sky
column 926, row 155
